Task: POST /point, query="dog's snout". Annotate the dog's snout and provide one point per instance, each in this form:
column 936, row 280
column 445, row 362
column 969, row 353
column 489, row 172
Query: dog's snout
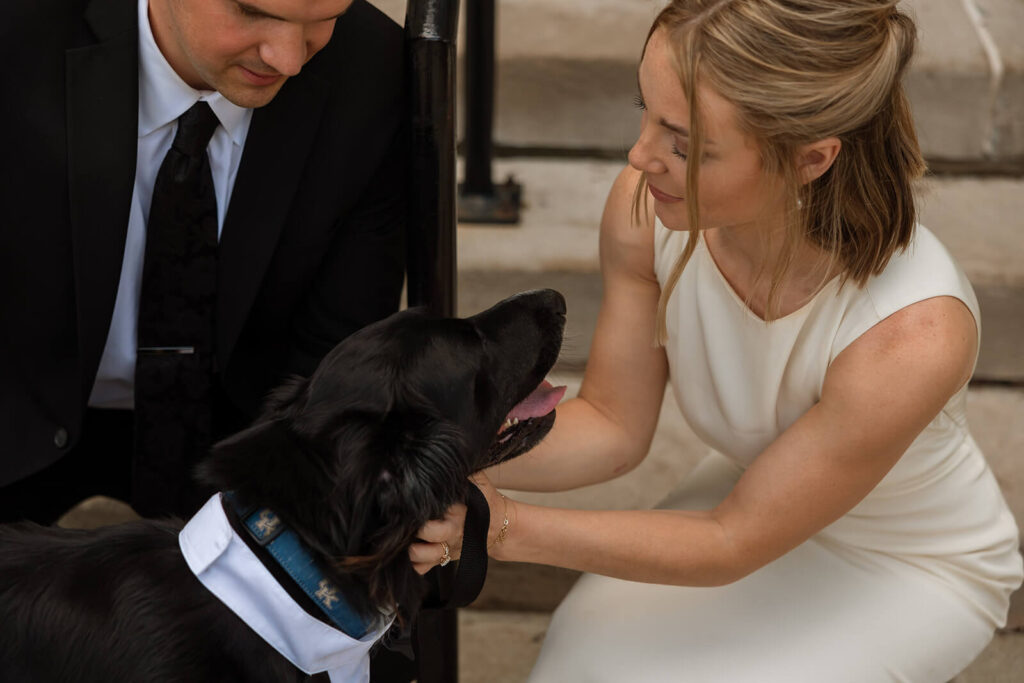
column 535, row 319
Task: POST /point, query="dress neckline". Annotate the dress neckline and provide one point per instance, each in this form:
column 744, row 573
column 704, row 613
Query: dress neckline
column 792, row 315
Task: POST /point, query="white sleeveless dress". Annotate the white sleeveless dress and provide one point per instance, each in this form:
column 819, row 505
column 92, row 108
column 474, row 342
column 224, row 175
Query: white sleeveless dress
column 907, row 586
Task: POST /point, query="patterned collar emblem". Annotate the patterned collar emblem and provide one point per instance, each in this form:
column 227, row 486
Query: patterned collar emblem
column 327, row 594
column 267, row 523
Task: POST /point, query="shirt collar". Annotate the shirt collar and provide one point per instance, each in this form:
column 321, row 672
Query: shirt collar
column 164, row 96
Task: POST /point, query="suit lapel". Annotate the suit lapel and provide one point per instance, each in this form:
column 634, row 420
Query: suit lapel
column 102, row 127
column 102, row 85
column 276, row 149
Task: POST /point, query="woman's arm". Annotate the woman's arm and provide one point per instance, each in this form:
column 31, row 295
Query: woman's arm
column 877, row 397
column 607, row 430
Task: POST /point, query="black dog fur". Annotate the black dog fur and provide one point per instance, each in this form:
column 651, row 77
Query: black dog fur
column 355, row 460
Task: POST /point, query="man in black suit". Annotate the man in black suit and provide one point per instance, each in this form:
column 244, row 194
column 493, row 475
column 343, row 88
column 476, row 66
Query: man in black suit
column 308, row 162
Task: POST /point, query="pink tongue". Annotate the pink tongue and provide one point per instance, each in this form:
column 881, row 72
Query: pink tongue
column 541, row 401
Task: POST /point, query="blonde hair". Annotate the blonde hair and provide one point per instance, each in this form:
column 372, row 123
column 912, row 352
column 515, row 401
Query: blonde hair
column 799, row 71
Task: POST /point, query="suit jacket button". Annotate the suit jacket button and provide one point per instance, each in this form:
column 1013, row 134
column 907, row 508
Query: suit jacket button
column 60, row 438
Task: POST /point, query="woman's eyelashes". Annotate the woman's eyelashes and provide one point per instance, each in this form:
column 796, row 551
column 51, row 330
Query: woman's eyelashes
column 638, row 102
column 248, row 12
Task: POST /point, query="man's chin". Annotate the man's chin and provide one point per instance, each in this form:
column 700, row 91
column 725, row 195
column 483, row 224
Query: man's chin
column 251, row 96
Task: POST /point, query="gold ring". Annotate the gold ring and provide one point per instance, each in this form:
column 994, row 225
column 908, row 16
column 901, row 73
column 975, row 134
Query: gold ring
column 447, row 557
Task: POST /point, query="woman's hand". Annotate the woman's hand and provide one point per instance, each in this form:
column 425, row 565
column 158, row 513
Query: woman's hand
column 440, row 540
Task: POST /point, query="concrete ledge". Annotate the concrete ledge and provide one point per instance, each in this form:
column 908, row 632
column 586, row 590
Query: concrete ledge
column 566, row 74
column 1000, row 662
column 950, row 82
column 499, row 647
column 1004, row 20
column 981, row 222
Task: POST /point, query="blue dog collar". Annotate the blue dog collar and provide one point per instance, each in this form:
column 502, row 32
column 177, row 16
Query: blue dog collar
column 284, row 545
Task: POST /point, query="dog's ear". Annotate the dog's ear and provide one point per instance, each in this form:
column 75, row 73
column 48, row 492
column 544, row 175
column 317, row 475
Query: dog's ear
column 396, row 473
column 424, row 467
column 416, row 467
column 264, row 454
column 290, row 395
column 243, row 461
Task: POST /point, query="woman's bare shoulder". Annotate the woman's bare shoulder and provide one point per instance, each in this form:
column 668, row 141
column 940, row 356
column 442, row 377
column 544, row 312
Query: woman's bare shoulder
column 923, row 352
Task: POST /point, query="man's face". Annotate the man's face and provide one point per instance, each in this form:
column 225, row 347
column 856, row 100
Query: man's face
column 244, row 49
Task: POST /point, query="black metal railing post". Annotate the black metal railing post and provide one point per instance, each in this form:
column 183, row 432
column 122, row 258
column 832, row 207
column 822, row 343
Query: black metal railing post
column 480, row 200
column 431, row 28
column 478, row 75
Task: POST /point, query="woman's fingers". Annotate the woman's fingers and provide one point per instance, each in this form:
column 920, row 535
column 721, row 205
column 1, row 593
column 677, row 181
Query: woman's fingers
column 448, row 529
column 439, row 540
column 426, row 556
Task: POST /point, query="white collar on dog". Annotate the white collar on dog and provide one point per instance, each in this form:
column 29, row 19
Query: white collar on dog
column 223, row 562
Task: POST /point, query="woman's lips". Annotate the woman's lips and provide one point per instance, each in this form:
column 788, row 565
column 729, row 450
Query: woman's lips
column 661, row 196
column 258, row 78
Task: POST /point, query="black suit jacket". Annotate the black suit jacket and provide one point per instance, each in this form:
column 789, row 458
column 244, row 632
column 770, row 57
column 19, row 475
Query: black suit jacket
column 312, row 246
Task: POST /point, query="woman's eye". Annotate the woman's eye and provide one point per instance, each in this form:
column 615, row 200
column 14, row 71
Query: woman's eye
column 681, row 155
column 638, row 102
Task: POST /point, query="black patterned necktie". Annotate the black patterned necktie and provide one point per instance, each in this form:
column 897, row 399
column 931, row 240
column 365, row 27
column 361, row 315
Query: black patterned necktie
column 174, row 365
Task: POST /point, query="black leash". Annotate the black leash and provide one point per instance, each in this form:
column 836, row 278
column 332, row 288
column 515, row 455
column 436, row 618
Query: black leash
column 472, row 565
column 451, row 587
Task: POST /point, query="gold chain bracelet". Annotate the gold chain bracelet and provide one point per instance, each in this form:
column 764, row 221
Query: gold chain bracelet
column 503, row 532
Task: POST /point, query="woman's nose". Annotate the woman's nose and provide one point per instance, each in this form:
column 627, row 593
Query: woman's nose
column 643, row 156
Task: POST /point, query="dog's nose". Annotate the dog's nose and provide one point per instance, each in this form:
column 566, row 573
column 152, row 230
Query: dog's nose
column 557, row 301
column 545, row 298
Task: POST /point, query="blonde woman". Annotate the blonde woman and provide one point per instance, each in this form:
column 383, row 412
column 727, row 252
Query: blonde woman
column 847, row 527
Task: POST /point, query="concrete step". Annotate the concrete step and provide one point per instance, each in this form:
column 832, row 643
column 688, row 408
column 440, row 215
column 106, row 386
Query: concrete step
column 980, row 220
column 566, row 75
column 499, row 647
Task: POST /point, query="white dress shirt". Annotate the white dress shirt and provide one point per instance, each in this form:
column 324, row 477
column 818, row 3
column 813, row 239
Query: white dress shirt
column 163, row 97
column 223, row 562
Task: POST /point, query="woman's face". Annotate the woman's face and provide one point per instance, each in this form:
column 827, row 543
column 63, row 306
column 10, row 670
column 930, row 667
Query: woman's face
column 733, row 189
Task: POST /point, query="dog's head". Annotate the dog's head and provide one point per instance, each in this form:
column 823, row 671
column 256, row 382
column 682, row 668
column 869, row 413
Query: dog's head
column 384, row 434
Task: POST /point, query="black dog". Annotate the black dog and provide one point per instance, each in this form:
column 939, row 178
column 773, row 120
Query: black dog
column 354, row 460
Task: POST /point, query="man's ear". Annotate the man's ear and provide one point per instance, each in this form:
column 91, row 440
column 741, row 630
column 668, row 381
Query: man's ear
column 815, row 158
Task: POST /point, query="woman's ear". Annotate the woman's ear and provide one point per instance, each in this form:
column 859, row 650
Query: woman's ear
column 817, row 157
